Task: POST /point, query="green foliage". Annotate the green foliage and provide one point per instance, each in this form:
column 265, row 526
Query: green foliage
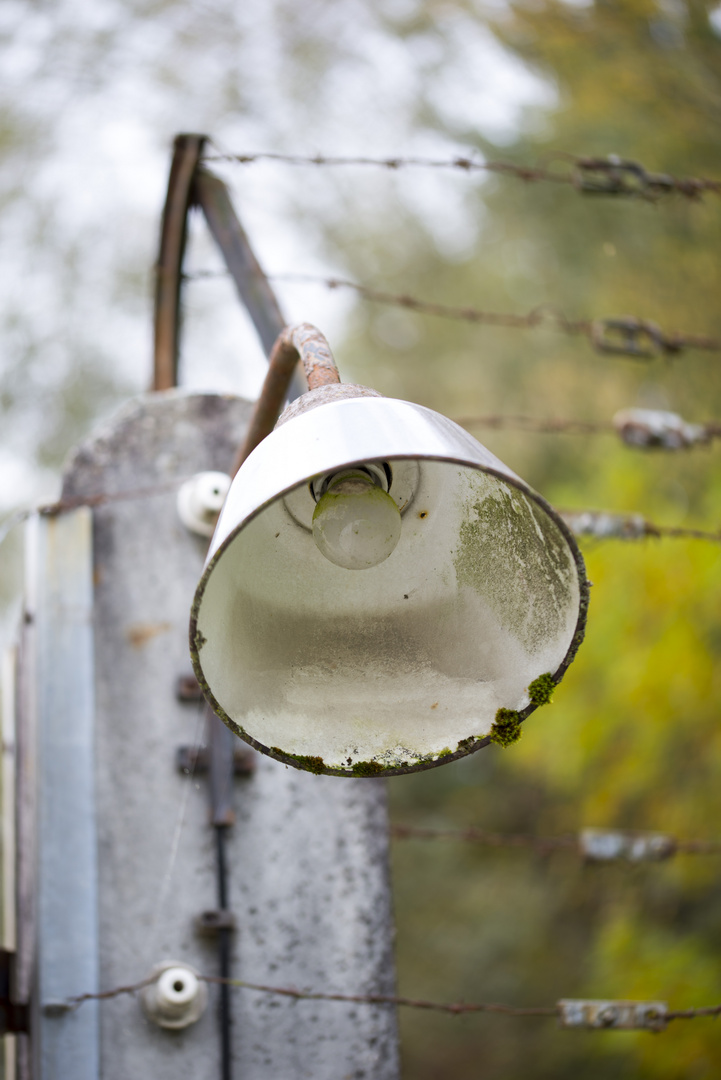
column 367, row 768
column 633, row 741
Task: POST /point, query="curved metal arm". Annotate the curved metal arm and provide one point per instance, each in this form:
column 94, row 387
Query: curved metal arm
column 187, row 150
column 303, row 342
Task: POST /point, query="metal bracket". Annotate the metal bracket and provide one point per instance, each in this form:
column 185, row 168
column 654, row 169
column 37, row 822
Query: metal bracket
column 187, row 688
column 196, row 760
column 610, row 176
column 616, row 1015
column 210, row 923
column 14, row 1015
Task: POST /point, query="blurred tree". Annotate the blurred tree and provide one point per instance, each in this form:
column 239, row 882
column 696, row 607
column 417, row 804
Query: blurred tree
column 632, row 739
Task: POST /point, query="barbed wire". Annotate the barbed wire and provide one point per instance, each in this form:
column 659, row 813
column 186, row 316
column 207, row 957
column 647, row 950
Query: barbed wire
column 611, row 175
column 640, row 428
column 65, row 505
column 596, row 844
column 601, row 525
column 622, row 335
column 453, row 1008
column 596, row 524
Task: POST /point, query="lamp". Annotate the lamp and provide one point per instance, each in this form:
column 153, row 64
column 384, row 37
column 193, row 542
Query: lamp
column 380, row 590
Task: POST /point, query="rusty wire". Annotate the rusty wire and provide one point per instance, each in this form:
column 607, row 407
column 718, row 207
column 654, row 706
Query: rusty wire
column 612, row 175
column 566, row 426
column 623, row 335
column 601, row 525
column 593, row 524
column 542, row 844
column 452, row 1008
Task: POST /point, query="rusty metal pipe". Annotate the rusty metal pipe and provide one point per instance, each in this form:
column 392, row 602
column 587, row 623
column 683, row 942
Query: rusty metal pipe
column 303, row 342
column 187, row 151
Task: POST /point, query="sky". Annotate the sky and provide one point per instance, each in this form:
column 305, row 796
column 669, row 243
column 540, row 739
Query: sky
column 94, row 94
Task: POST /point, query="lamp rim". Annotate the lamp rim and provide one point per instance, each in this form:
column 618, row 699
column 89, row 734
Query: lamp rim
column 475, row 744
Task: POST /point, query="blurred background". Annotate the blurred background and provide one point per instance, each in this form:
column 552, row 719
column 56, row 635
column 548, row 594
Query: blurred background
column 92, row 95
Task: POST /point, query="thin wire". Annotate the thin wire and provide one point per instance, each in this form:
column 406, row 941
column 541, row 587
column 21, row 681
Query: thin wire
column 179, row 825
column 563, row 426
column 12, row 521
column 598, row 525
column 626, row 335
column 628, row 526
column 530, row 840
column 605, row 333
column 63, row 506
column 589, row 175
column 311, row 995
column 453, row 1008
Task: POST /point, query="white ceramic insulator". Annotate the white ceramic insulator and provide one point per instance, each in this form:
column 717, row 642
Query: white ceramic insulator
column 200, row 501
column 177, row 997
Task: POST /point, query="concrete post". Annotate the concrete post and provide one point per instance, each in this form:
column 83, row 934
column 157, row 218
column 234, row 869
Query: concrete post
column 307, row 856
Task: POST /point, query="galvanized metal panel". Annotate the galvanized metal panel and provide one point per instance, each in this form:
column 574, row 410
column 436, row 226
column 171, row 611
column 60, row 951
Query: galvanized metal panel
column 66, row 1042
column 25, row 798
column 307, row 855
column 8, row 927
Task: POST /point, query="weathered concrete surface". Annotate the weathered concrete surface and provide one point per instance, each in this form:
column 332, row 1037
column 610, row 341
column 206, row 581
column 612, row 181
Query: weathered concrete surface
column 307, row 856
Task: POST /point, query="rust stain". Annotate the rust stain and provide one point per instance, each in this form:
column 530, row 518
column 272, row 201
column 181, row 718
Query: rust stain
column 140, row 634
column 434, row 705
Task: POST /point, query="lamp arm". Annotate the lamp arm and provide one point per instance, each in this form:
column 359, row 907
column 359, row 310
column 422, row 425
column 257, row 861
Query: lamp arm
column 303, row 342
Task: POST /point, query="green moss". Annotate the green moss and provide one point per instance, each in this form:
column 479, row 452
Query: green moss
column 466, row 744
column 506, row 728
column 312, row 764
column 200, row 640
column 304, row 761
column 541, row 689
column 508, row 549
column 445, row 752
column 367, row 768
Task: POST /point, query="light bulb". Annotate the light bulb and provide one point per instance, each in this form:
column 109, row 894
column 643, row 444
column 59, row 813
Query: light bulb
column 356, row 524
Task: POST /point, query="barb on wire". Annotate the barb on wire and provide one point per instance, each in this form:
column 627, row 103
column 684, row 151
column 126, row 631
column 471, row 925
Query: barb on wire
column 656, row 429
column 610, row 175
column 604, row 526
column 625, row 335
column 571, row 1012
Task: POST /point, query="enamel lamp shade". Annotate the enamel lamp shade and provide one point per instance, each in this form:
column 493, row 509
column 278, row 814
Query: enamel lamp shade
column 378, row 586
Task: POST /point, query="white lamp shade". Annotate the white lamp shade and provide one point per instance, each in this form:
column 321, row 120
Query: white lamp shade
column 402, row 665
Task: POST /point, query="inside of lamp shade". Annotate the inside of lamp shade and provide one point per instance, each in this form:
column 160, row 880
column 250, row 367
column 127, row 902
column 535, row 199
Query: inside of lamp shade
column 399, row 663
